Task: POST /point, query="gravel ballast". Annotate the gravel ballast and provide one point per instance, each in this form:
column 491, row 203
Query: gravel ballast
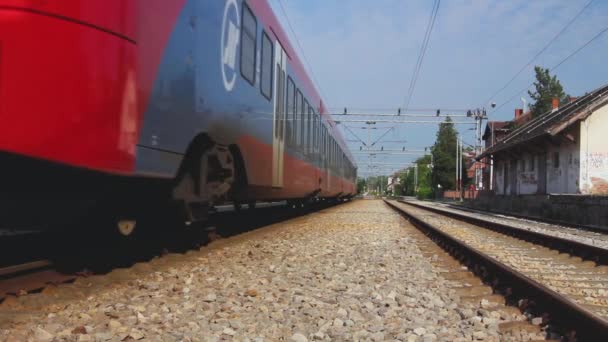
column 352, row 272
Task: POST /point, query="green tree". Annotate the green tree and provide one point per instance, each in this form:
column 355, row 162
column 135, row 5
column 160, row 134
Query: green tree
column 408, row 182
column 444, row 158
column 425, row 186
column 547, row 88
column 360, row 185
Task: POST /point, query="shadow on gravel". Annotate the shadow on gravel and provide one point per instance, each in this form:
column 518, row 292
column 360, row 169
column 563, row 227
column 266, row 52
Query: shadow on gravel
column 82, row 251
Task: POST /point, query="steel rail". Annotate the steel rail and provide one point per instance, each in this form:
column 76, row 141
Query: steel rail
column 565, row 313
column 14, row 269
column 585, row 251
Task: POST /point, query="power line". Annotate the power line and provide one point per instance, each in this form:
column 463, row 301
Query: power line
column 312, row 73
column 423, row 48
column 541, row 51
column 599, row 34
column 418, row 65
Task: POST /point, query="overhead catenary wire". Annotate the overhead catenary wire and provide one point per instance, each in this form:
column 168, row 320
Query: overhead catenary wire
column 572, row 54
column 540, row 51
column 423, row 48
column 418, row 65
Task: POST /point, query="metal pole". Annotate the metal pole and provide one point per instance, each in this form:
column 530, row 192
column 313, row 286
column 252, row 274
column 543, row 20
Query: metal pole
column 457, row 149
column 491, row 180
column 460, row 172
column 415, row 179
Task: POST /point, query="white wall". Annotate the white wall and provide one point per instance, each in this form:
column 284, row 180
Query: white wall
column 594, row 153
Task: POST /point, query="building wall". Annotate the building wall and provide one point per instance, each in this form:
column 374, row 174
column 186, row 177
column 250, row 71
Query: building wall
column 562, row 171
column 594, row 153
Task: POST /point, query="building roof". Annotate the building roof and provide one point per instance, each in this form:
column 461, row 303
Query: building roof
column 497, row 126
column 552, row 122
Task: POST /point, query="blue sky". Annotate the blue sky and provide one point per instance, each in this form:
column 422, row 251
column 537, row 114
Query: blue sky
column 363, row 53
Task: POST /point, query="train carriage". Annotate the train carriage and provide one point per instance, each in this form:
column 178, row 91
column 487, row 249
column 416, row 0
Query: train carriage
column 203, row 101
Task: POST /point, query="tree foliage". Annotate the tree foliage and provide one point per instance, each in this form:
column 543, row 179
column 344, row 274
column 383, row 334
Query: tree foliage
column 360, row 185
column 443, row 176
column 408, row 179
column 546, row 87
column 444, row 156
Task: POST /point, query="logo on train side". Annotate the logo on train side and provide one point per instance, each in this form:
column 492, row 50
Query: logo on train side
column 230, row 41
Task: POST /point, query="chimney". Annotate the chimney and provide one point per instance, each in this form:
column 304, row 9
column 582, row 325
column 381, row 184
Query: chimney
column 555, row 103
column 518, row 113
column 572, row 99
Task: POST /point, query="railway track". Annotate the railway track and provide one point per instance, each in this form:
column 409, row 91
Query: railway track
column 562, row 280
column 589, row 235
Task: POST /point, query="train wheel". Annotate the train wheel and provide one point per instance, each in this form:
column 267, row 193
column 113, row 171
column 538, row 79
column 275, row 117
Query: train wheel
column 251, row 205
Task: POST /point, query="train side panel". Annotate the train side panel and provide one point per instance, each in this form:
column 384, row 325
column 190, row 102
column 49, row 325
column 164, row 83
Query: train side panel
column 69, row 105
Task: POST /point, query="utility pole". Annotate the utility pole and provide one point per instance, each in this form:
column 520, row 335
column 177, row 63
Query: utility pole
column 479, row 115
column 459, row 167
column 415, row 179
column 456, row 162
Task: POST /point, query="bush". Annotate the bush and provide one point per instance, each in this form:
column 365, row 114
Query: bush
column 425, row 193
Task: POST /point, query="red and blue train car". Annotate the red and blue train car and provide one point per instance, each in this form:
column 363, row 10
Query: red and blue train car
column 207, row 98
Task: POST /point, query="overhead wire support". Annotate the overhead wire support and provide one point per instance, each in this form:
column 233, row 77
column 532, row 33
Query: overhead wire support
column 435, row 122
column 403, row 115
column 391, row 153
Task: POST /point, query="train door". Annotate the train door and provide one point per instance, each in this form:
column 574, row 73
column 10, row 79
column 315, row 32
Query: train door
column 278, row 136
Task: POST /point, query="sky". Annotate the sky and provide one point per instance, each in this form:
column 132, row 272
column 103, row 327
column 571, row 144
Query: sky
column 362, row 54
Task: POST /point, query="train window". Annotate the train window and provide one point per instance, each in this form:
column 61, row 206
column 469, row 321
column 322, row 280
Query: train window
column 318, row 126
column 302, row 123
column 309, row 128
column 249, row 29
column 305, row 138
column 267, row 64
column 314, row 132
column 296, row 121
column 290, row 105
column 324, row 142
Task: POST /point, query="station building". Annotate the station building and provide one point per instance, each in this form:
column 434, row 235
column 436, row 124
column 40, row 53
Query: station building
column 564, row 151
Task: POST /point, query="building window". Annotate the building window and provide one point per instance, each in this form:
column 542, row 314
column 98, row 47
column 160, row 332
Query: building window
column 267, row 65
column 249, row 27
column 556, row 159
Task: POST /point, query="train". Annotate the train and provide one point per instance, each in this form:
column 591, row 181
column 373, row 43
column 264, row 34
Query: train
column 127, row 104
